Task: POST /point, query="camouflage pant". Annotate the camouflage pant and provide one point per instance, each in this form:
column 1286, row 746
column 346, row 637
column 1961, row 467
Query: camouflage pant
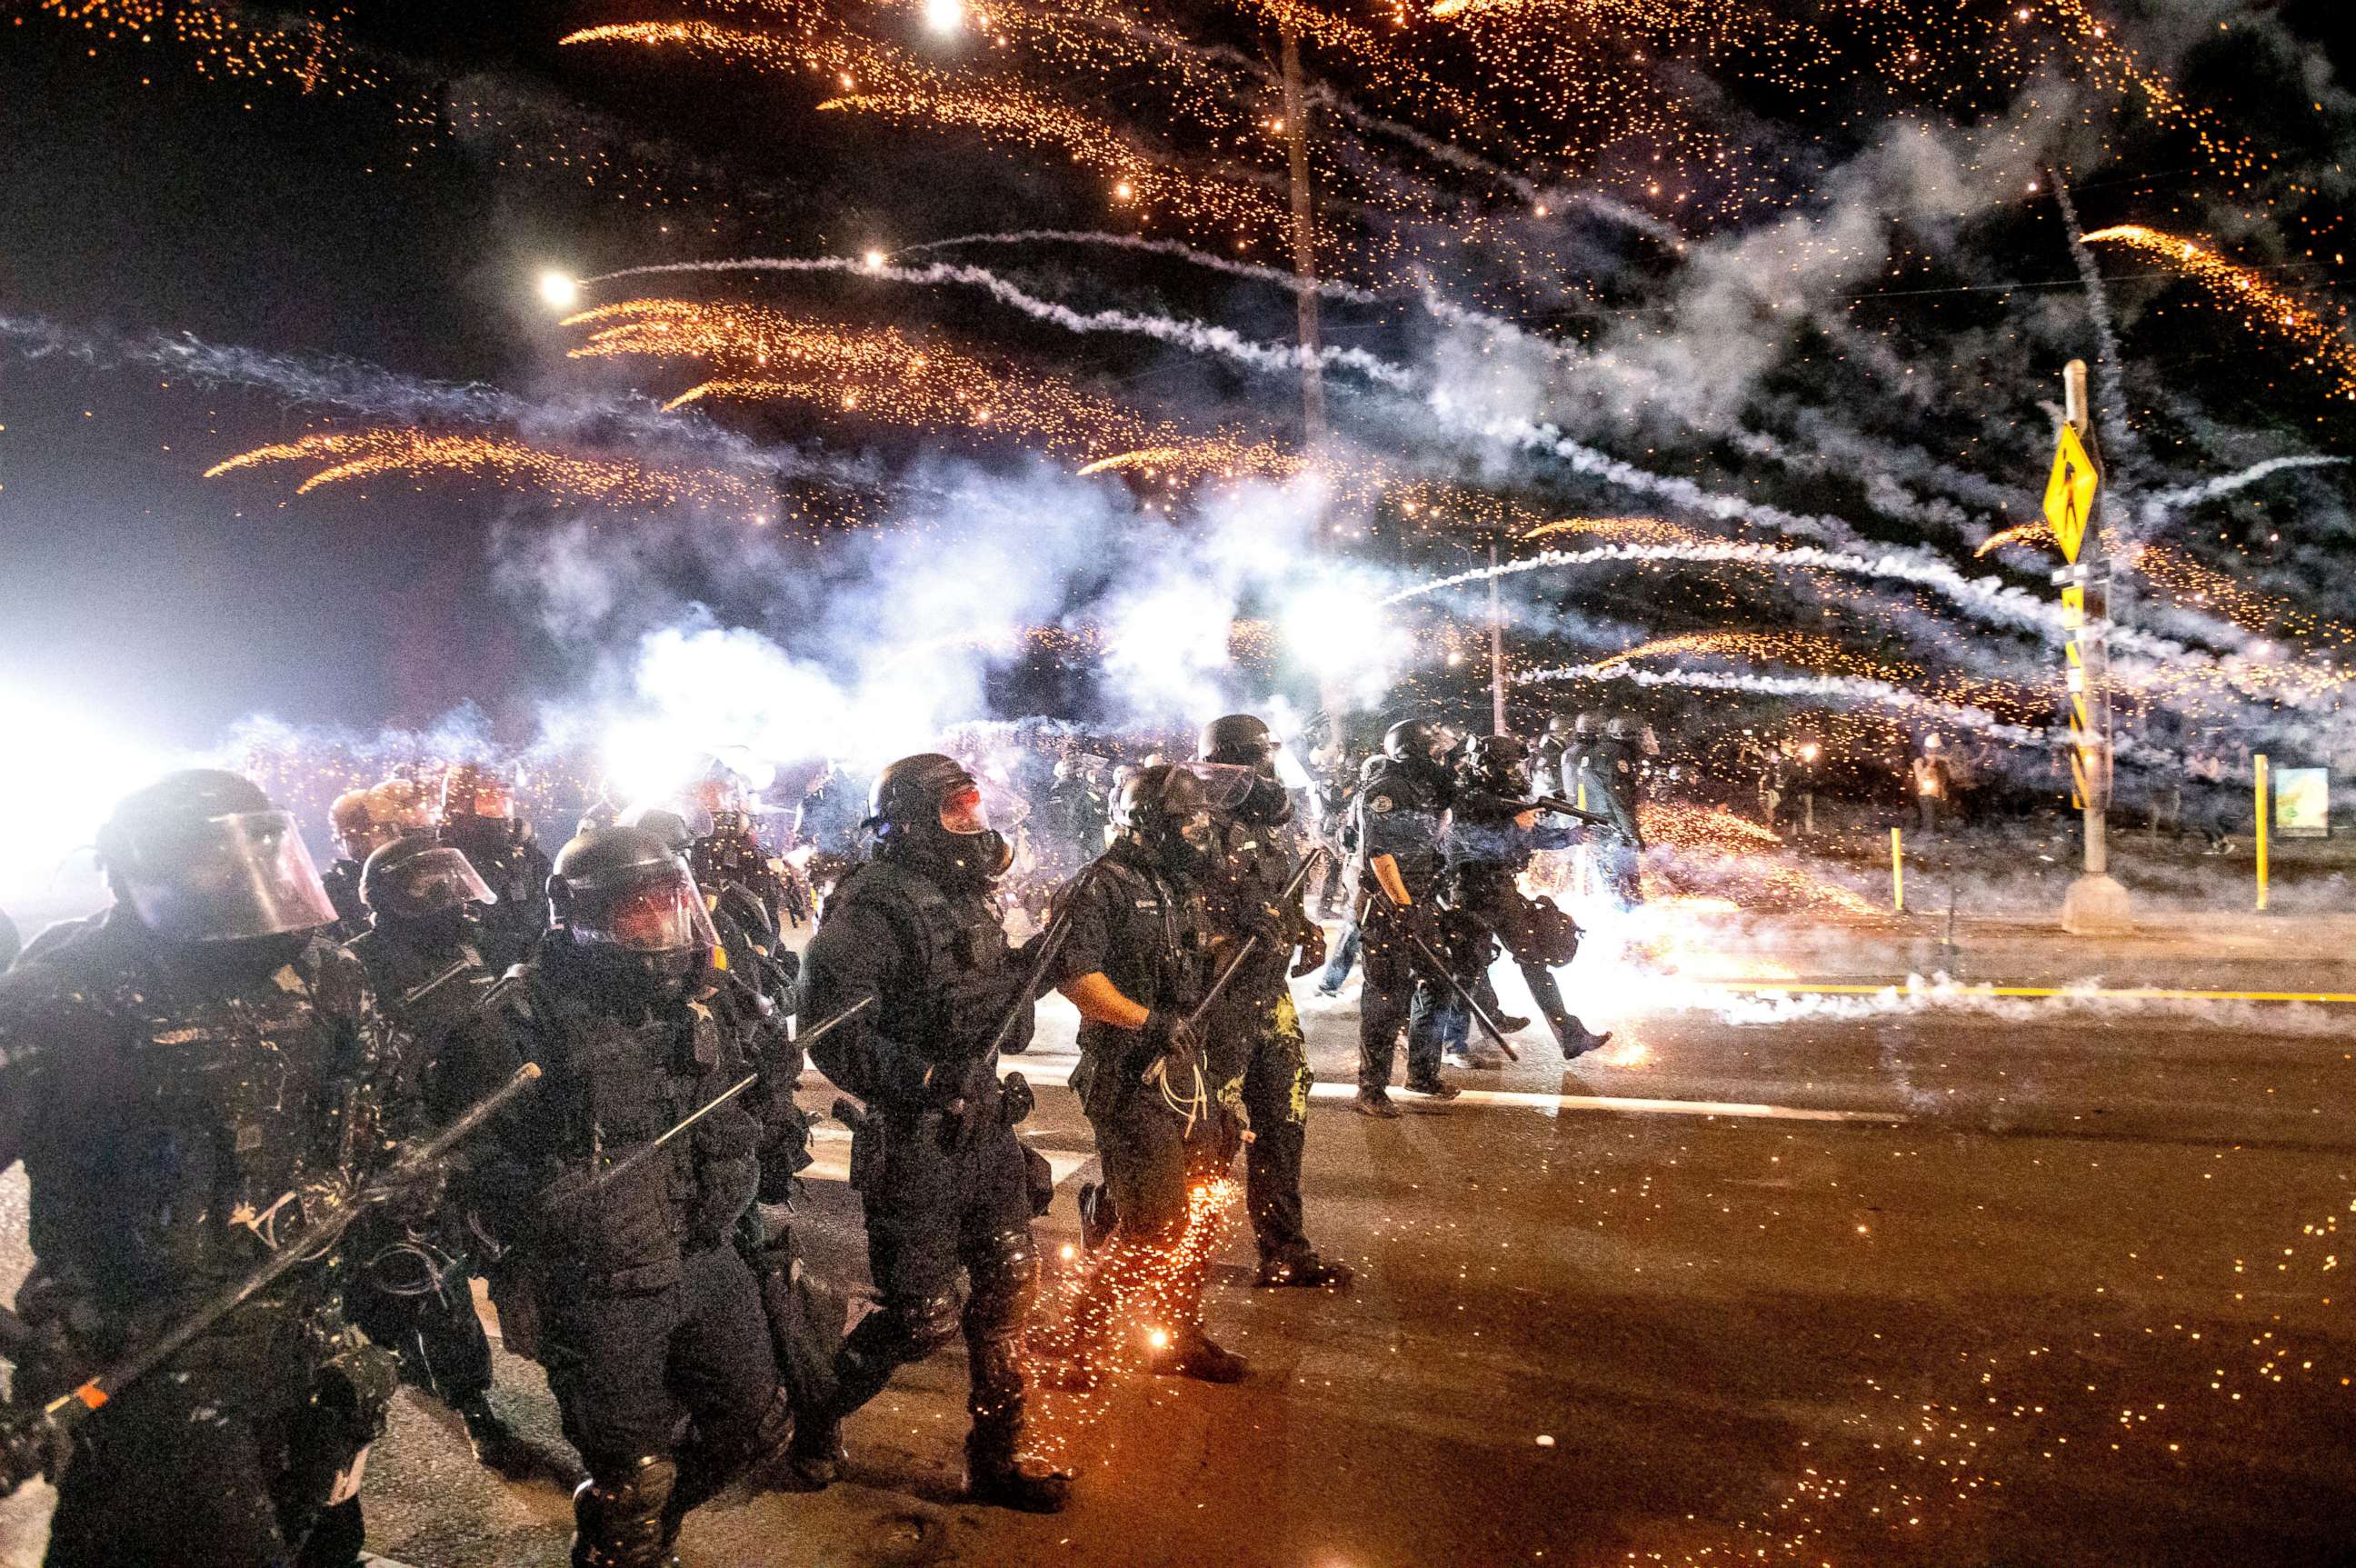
column 1272, row 1091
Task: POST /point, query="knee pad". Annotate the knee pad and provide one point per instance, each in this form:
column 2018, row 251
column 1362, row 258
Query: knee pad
column 618, row 1514
column 1005, row 1273
column 912, row 1328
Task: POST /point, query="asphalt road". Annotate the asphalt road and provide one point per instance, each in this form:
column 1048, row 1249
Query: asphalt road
column 1885, row 1283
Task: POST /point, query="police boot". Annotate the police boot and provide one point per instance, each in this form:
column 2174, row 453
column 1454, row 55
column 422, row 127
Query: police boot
column 816, row 1454
column 997, row 1471
column 1575, row 1039
column 495, row 1446
column 1191, row 1353
column 998, row 1476
column 1304, row 1270
column 618, row 1522
column 1374, row 1100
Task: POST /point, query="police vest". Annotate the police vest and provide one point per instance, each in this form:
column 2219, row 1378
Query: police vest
column 955, row 966
column 192, row 1126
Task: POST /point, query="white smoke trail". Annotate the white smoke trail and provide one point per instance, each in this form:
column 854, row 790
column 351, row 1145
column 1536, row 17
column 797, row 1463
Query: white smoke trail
column 1989, row 598
column 1199, row 337
column 1275, row 276
column 2112, row 387
column 2160, row 504
column 1852, row 688
column 1686, row 493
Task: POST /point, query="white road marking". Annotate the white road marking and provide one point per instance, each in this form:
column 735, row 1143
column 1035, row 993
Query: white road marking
column 1051, row 1068
column 831, row 1158
column 1537, row 1101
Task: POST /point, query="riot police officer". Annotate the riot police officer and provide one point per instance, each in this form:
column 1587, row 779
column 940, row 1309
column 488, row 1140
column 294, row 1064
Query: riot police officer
column 1489, row 844
column 1400, row 818
column 356, row 837
column 1257, row 1057
column 185, row 1077
column 946, row 1187
column 628, row 1289
column 478, row 819
column 412, row 1293
column 1545, row 763
column 1073, row 824
column 1136, row 962
column 1607, row 773
column 1586, row 729
column 753, row 996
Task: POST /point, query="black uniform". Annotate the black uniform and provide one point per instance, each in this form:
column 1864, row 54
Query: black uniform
column 176, row 1111
column 1487, row 850
column 1259, row 1059
column 761, row 993
column 342, row 881
column 1401, row 811
column 946, row 1187
column 1144, row 930
column 1330, row 802
column 633, row 1297
column 1072, row 825
column 1607, row 772
column 515, row 870
column 411, row 1291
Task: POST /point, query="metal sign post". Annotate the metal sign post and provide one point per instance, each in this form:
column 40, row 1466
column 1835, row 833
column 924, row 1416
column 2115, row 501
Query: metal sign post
column 2095, row 904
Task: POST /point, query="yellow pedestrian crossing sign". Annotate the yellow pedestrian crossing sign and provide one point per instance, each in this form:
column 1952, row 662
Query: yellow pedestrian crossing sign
column 2069, row 492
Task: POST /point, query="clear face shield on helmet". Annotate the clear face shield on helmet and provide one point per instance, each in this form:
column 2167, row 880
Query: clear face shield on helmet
column 1244, row 790
column 655, row 915
column 981, row 814
column 440, row 878
column 222, row 879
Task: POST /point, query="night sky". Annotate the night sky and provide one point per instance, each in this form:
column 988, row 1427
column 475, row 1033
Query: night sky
column 141, row 191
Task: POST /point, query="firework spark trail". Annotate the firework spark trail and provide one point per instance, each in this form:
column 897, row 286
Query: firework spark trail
column 380, row 394
column 1199, row 337
column 2265, row 305
column 1181, row 250
column 363, row 455
column 2158, row 504
column 1823, row 654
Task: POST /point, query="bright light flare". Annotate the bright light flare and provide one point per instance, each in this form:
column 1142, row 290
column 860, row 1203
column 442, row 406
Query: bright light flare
column 945, row 17
column 66, row 771
column 559, row 291
column 1321, row 626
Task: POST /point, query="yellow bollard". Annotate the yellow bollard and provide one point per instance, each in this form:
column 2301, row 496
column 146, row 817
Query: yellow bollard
column 1897, row 872
column 2260, row 763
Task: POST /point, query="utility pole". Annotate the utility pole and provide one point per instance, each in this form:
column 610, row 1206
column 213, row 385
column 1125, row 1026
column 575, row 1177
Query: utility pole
column 2097, row 904
column 1304, row 241
column 1334, row 697
column 1496, row 647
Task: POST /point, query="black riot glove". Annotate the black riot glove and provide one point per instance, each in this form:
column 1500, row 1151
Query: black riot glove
column 1312, row 942
column 1169, row 1038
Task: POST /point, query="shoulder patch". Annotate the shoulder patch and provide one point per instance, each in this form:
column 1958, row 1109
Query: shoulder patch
column 1378, row 802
